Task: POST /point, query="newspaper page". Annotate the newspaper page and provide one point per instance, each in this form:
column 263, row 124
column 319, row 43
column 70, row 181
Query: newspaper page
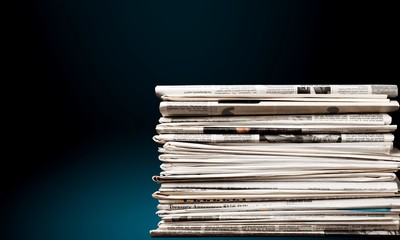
column 214, row 108
column 290, row 217
column 272, row 129
column 214, row 214
column 273, row 176
column 320, row 176
column 340, row 225
column 279, row 138
column 350, row 186
column 284, row 148
column 337, row 119
column 377, row 203
column 228, row 159
column 262, row 223
column 268, row 196
column 276, row 90
column 340, row 167
column 228, row 233
column 280, row 97
column 170, row 155
column 220, row 233
column 272, row 165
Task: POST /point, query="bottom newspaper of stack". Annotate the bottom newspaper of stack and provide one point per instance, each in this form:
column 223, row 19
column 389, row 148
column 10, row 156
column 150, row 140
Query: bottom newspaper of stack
column 267, row 189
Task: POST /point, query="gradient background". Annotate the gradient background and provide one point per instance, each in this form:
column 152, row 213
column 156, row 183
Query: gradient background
column 85, row 71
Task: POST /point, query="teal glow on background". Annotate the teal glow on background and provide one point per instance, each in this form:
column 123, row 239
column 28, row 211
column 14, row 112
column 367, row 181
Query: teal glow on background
column 85, row 159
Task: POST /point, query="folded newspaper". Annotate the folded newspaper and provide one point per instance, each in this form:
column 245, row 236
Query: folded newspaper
column 277, row 160
column 255, row 91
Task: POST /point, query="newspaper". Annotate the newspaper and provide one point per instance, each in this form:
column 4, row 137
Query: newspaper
column 293, row 214
column 279, row 173
column 223, row 158
column 214, row 108
column 279, row 138
column 310, row 226
column 275, row 190
column 229, row 159
column 272, row 129
column 269, row 196
column 315, row 186
column 377, row 172
column 322, row 119
column 307, row 149
column 280, row 229
column 291, row 217
column 197, row 168
column 308, row 176
column 273, row 166
column 256, row 223
column 224, row 167
column 368, row 203
column 164, row 199
column 329, row 176
column 240, row 155
column 228, row 233
column 276, row 90
column 286, row 215
column 280, row 97
column 248, row 212
column 274, row 162
column 277, row 160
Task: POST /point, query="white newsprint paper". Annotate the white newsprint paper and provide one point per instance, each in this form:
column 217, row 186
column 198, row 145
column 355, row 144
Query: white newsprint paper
column 321, row 119
column 362, row 203
column 284, row 148
column 277, row 160
column 313, row 186
column 215, row 108
column 277, row 138
column 287, row 233
column 205, row 91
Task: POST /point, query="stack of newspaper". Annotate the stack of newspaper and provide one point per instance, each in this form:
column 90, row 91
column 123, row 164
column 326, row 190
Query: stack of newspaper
column 265, row 160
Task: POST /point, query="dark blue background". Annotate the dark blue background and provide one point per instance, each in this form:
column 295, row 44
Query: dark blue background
column 85, row 73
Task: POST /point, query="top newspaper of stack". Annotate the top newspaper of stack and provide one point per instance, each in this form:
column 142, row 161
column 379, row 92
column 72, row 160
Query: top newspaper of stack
column 217, row 92
column 214, row 100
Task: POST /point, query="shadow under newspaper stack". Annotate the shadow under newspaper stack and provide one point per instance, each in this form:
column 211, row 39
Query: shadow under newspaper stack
column 277, row 160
